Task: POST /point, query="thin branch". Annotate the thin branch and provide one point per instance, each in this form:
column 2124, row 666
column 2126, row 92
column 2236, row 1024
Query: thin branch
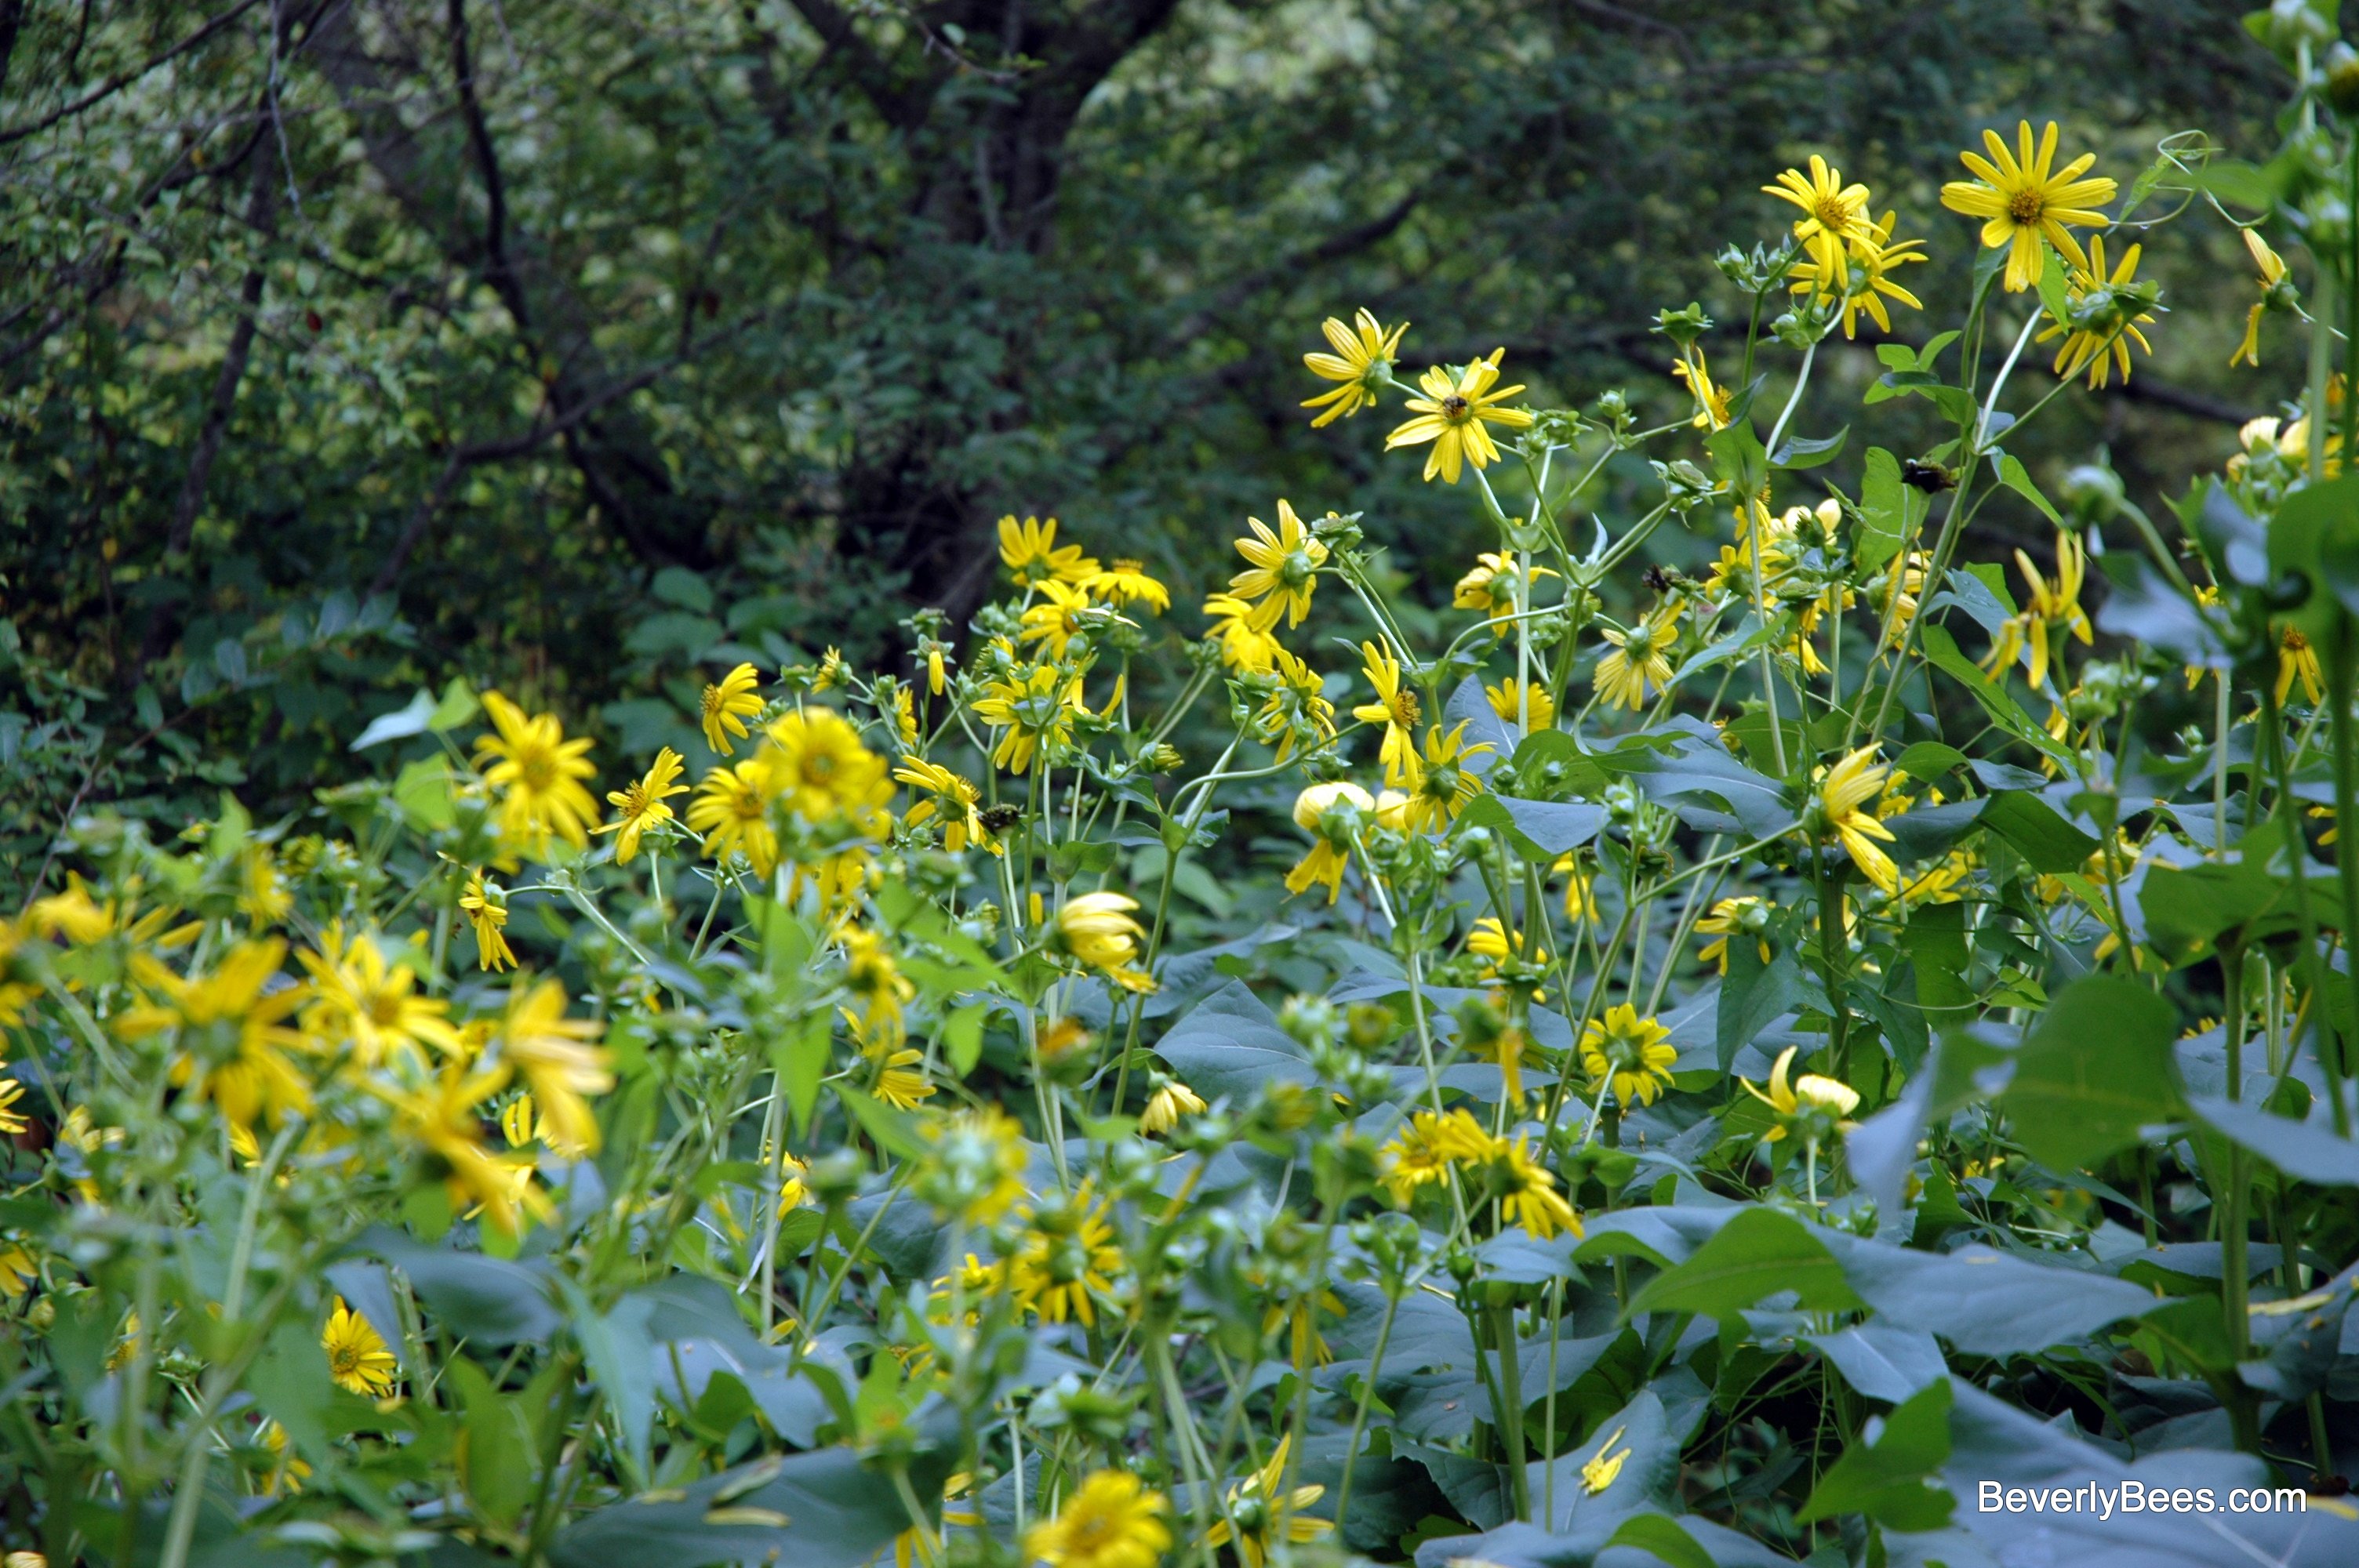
column 121, row 80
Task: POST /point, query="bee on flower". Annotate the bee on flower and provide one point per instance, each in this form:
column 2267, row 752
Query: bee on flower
column 1455, row 413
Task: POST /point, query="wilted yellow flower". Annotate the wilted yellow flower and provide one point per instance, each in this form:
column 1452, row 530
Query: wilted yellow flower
column 1456, row 414
column 1598, row 1472
column 724, row 708
column 1110, row 1520
column 1281, row 570
column 1628, row 1054
column 358, row 1361
column 2021, row 202
column 1362, row 364
column 640, row 805
column 1097, row 929
column 538, row 774
column 1325, row 862
column 2275, row 294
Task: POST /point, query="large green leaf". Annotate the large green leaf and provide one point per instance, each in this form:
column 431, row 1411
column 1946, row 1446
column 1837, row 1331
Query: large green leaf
column 1881, row 1361
column 2301, row 1150
column 490, row 1301
column 2044, row 839
column 1541, row 830
column 1890, row 1479
column 2093, row 1071
column 1983, row 1303
column 1231, row 1045
column 1757, row 1254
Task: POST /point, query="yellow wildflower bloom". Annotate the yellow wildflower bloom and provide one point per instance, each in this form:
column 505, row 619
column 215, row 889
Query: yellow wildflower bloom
column 1065, row 1258
column 1728, row 918
column 1396, row 709
column 1446, row 784
column 1844, row 792
column 1097, row 928
column 817, row 768
column 1282, row 568
column 553, row 1054
column 639, row 804
column 1261, row 1512
column 1628, row 1056
column 2297, row 659
column 1531, row 1199
column 2051, row 604
column 724, row 708
column 2102, row 347
column 233, row 1045
column 1490, row 587
column 1325, row 863
column 2275, row 292
column 538, row 772
column 1244, row 645
column 1110, row 1520
column 1126, row 582
column 485, row 906
column 1060, row 616
column 1296, row 705
column 1834, row 218
column 1035, row 709
column 2022, row 202
column 11, row 1120
column 1515, row 701
column 1640, row 655
column 732, row 810
column 1795, row 1103
column 358, row 1360
column 1456, row 417
column 951, row 800
column 1171, row 1100
column 1361, row 364
column 1872, row 264
column 1030, row 551
column 1599, row 1471
column 1711, row 399
column 1422, row 1153
column 361, row 997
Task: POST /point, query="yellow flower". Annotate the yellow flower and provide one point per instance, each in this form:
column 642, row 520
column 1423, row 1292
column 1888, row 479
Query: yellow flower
column 442, row 1122
column 18, row 1269
column 11, row 1120
column 953, row 801
column 1244, row 644
column 975, row 1164
column 2275, row 294
column 232, row 1046
column 724, row 708
column 361, row 997
column 817, row 769
column 358, row 1361
column 1030, row 551
column 640, row 806
column 2296, row 658
column 1580, row 890
column 1628, row 1054
column 1258, row 1515
column 1902, row 586
column 1599, row 1471
column 1325, row 863
column 1296, row 707
column 1060, row 617
column 1446, row 784
column 1396, row 709
column 732, row 810
column 1362, row 363
column 553, row 1054
column 1843, row 791
column 1873, row 264
column 1423, row 1152
column 934, row 677
column 2021, row 202
column 2051, row 603
column 288, row 1474
column 1110, row 1520
column 1097, row 929
column 1531, row 1199
column 870, row 974
column 1812, row 1103
column 1171, row 1100
column 1456, row 417
column 1638, row 655
column 2104, row 345
column 1509, row 698
column 1728, row 918
column 1126, row 582
column 1281, row 569
column 263, row 896
column 1834, row 218
column 1065, row 1257
column 905, row 717
column 538, row 774
column 1490, row 586
column 901, row 1081
column 485, row 906
column 1712, row 400
column 1035, row 709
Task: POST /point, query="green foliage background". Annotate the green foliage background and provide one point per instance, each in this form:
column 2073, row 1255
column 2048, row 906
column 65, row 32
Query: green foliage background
column 348, row 344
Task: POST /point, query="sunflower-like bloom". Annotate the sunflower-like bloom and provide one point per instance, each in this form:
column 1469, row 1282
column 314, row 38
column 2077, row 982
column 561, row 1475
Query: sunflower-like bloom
column 818, row 769
column 1260, row 1513
column 1870, row 283
column 732, row 810
column 2051, row 605
column 2022, row 199
column 1711, row 399
column 973, row 1168
column 1281, row 569
column 1098, row 929
column 724, row 706
column 1844, row 793
column 2297, row 659
column 640, row 805
column 554, row 1055
column 358, row 1360
column 1811, row 1104
column 1445, row 783
column 1361, row 365
column 2276, row 294
column 871, row 973
column 951, row 800
column 1639, row 655
column 1126, row 582
column 1328, row 812
column 1834, row 221
column 1456, row 417
column 1244, row 647
column 1170, row 1100
column 1728, row 918
column 1295, row 708
column 1531, row 1199
column 1628, row 1056
column 901, row 1081
column 442, row 1122
column 2106, row 310
column 360, row 997
column 1513, row 700
column 1424, row 1151
column 1035, row 709
column 538, row 772
column 1903, row 584
column 1062, row 615
column 1396, row 709
column 1030, row 552
column 1110, row 1521
column 1491, row 584
column 1065, row 1258
column 485, row 906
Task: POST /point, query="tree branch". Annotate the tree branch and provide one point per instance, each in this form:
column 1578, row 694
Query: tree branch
column 121, row 80
column 487, row 164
